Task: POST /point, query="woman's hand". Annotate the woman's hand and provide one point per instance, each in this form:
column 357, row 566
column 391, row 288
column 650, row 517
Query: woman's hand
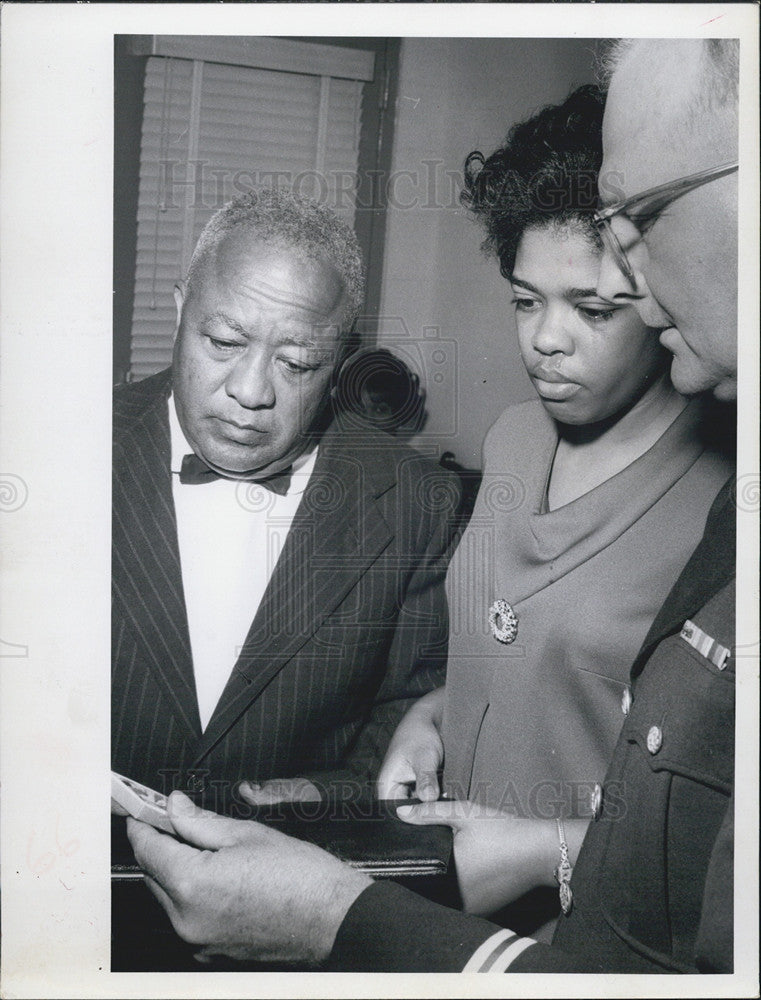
column 498, row 857
column 415, row 753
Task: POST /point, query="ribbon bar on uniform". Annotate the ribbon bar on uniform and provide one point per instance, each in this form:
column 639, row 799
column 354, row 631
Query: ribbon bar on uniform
column 705, row 645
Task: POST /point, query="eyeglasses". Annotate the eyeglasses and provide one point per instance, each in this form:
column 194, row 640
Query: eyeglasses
column 645, row 207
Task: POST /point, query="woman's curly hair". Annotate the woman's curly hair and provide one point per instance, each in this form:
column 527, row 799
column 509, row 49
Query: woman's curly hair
column 545, row 173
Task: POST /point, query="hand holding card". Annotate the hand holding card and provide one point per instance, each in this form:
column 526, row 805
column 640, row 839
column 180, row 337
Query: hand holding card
column 130, row 798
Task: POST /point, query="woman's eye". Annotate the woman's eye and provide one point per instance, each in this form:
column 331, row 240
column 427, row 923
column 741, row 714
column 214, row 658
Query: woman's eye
column 596, row 315
column 523, row 305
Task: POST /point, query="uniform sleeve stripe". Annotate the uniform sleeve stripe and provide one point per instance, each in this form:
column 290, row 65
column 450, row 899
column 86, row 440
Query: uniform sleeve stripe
column 498, row 952
column 509, row 955
column 482, row 959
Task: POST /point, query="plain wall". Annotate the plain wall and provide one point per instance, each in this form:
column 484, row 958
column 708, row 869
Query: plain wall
column 444, row 306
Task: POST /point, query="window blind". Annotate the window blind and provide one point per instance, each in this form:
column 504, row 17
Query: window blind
column 214, row 129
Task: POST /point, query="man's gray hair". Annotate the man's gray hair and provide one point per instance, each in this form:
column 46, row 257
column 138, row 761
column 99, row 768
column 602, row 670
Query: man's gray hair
column 282, row 219
column 720, row 68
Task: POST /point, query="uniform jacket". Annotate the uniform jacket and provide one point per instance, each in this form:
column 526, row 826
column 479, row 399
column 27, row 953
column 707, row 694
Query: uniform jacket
column 652, row 886
column 351, row 628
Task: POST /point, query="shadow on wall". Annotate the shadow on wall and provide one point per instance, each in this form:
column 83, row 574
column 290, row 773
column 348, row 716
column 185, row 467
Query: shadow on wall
column 379, row 388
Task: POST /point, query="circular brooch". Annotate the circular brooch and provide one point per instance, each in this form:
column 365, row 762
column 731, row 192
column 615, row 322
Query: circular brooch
column 503, row 621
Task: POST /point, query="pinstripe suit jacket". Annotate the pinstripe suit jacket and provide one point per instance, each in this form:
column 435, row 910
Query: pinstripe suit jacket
column 351, row 628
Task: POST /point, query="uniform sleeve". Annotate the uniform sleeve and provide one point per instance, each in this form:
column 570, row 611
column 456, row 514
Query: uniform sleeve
column 391, row 929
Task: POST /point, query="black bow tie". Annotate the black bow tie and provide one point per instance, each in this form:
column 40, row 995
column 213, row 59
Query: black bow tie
column 194, row 471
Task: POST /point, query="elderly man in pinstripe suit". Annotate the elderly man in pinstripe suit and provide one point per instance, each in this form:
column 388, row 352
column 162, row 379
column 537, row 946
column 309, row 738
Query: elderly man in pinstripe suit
column 277, row 577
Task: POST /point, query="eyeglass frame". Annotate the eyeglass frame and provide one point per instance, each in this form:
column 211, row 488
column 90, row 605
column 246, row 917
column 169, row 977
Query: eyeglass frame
column 669, row 191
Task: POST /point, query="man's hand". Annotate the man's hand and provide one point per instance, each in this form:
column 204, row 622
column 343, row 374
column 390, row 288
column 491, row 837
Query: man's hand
column 415, row 753
column 244, row 890
column 279, row 790
column 498, row 857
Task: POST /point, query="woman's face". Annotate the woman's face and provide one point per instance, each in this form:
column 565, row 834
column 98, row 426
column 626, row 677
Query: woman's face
column 587, row 357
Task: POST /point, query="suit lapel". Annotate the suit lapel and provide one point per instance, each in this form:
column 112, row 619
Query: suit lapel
column 337, row 533
column 146, row 572
column 711, row 566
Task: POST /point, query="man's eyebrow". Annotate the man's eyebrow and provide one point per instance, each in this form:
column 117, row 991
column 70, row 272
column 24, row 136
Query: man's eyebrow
column 227, row 320
column 289, row 341
column 299, row 342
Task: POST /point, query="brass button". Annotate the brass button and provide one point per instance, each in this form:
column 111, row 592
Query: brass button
column 626, row 701
column 597, row 801
column 654, row 739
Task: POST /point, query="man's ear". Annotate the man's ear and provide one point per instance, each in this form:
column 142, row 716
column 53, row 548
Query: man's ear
column 180, row 290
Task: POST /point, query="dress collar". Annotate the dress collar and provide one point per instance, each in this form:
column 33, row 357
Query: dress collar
column 601, row 513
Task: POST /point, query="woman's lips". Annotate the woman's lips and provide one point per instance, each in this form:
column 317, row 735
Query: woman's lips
column 553, row 386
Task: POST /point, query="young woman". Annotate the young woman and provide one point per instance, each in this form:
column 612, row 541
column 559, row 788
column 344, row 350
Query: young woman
column 593, row 497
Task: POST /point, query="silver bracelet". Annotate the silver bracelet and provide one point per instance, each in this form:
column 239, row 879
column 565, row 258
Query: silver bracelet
column 563, row 872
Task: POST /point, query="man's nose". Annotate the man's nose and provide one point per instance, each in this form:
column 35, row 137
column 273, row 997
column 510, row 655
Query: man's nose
column 250, row 382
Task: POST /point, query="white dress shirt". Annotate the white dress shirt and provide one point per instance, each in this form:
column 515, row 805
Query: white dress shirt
column 230, row 534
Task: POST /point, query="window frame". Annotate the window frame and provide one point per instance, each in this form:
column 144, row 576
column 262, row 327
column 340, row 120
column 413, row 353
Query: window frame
column 375, row 148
